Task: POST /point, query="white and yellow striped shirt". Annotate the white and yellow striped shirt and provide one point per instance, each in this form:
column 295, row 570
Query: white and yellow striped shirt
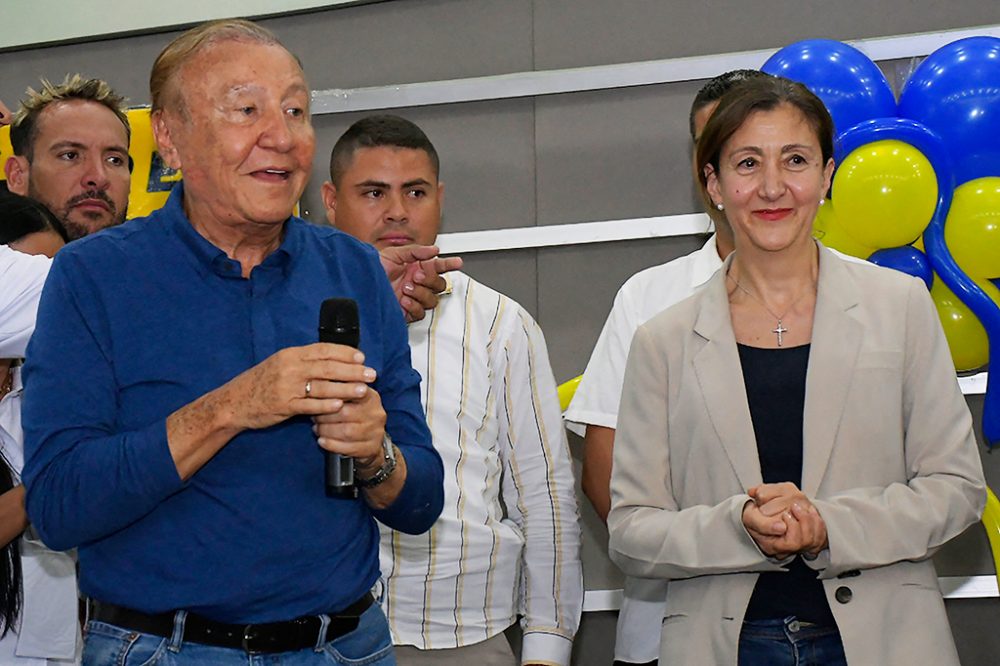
column 508, row 540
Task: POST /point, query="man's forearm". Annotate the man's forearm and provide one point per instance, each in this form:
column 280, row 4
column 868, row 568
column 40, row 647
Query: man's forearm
column 197, row 431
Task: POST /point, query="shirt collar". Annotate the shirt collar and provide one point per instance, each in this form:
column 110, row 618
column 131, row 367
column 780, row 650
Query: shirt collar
column 208, row 254
column 706, row 263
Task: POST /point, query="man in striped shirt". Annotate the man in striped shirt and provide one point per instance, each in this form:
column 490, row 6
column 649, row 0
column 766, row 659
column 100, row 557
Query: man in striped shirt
column 508, row 540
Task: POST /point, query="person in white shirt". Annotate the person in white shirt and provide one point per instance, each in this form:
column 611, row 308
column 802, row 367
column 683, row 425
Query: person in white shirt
column 21, row 279
column 38, row 608
column 595, row 404
column 508, row 540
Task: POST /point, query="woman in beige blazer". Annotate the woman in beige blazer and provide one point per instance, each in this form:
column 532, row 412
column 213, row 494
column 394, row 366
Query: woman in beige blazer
column 792, row 444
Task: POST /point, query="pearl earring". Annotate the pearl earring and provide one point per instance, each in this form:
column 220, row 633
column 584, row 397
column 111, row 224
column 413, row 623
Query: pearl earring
column 720, row 206
column 822, row 201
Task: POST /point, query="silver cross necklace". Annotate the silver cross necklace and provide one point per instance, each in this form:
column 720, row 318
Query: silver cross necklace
column 778, row 330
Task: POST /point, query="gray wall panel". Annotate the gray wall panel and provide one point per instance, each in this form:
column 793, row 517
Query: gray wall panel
column 570, row 33
column 614, row 154
column 973, row 622
column 410, row 40
column 125, row 63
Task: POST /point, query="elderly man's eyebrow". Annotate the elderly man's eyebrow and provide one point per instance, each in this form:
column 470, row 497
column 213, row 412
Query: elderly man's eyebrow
column 252, row 87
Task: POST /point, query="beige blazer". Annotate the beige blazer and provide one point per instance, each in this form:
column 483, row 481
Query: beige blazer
column 889, row 459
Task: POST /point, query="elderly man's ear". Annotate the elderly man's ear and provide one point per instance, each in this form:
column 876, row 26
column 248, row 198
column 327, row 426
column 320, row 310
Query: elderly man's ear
column 164, row 139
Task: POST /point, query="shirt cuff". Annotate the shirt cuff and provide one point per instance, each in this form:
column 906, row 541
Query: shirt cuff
column 539, row 647
column 420, row 500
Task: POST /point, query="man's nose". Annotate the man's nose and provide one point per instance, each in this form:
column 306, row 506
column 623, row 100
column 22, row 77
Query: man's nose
column 95, row 173
column 276, row 133
column 396, row 208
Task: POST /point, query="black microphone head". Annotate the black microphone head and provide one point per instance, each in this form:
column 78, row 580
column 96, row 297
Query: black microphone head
column 338, row 322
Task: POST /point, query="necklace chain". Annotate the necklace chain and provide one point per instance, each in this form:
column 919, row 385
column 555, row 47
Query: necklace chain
column 778, row 330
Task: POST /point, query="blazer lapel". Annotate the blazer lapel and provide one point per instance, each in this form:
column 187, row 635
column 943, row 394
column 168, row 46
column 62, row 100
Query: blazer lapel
column 836, row 343
column 720, row 377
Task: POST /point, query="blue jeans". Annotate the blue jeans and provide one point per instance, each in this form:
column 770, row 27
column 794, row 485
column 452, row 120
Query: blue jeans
column 368, row 645
column 789, row 643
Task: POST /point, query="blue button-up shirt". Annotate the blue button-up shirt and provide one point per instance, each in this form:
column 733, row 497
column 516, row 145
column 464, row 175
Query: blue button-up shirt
column 144, row 318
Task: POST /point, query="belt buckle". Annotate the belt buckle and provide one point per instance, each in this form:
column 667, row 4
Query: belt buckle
column 249, row 635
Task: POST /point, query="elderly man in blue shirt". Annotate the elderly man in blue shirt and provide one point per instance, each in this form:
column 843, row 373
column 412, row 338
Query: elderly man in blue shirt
column 175, row 396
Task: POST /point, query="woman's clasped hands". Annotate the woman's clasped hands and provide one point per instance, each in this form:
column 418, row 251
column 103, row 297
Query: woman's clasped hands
column 783, row 521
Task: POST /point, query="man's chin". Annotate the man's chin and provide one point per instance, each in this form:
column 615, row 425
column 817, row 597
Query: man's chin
column 79, row 224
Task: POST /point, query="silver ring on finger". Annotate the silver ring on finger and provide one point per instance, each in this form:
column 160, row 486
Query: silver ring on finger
column 309, row 388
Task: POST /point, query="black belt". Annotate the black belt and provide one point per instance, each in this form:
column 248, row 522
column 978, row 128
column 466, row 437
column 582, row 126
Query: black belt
column 269, row 637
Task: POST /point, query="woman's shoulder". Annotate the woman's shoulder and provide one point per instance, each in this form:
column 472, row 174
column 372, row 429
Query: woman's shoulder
column 678, row 318
column 871, row 278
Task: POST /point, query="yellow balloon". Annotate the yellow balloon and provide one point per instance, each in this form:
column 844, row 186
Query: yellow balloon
column 827, row 230
column 972, row 229
column 970, row 348
column 567, row 390
column 919, row 244
column 886, row 192
column 151, row 179
column 5, row 149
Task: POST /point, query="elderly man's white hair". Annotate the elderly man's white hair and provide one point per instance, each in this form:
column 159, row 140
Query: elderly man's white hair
column 162, row 79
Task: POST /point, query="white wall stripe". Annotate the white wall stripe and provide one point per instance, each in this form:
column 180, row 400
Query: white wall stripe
column 604, row 77
column 974, row 384
column 952, row 587
column 576, row 233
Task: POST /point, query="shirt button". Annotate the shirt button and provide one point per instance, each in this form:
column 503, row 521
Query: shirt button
column 843, row 594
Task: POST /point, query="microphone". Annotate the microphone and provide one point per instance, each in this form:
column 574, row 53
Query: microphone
column 338, row 323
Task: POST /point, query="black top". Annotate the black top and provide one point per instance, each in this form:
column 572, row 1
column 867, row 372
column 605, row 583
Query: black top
column 775, row 380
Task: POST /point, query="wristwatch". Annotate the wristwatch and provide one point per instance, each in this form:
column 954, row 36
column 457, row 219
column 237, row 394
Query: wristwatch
column 387, row 468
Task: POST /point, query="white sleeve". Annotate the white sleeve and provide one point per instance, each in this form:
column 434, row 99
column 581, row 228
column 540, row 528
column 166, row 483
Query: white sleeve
column 538, row 490
column 21, row 279
column 599, row 393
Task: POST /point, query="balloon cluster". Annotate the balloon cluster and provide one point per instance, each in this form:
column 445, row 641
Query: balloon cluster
column 917, row 186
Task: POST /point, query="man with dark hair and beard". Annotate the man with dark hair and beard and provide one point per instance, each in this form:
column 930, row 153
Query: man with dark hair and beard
column 70, row 146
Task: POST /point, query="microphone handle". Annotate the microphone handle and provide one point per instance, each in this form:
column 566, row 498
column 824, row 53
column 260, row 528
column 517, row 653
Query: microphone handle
column 339, row 468
column 340, row 476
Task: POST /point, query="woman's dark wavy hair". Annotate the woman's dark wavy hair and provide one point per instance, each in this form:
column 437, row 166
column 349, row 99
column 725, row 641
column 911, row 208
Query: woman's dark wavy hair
column 20, row 216
column 11, row 588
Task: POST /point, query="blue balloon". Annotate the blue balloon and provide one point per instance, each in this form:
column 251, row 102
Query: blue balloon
column 956, row 93
column 907, row 259
column 853, row 88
